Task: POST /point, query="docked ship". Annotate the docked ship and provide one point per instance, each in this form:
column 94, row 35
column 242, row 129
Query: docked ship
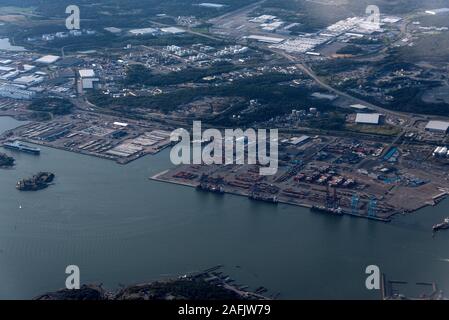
column 18, row 146
column 265, row 198
column 210, row 188
column 336, row 211
column 441, row 226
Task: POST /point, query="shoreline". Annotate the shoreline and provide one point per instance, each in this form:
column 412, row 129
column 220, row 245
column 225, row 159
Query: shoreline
column 158, row 177
column 197, row 286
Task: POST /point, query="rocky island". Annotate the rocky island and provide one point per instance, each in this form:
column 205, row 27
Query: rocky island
column 37, row 182
column 210, row 284
column 6, row 161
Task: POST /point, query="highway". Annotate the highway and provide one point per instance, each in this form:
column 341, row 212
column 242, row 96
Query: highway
column 307, row 70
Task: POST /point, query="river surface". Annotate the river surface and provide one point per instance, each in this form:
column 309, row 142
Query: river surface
column 121, row 228
column 5, row 44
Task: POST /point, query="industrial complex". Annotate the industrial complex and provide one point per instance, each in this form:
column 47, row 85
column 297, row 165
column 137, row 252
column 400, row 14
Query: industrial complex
column 370, row 161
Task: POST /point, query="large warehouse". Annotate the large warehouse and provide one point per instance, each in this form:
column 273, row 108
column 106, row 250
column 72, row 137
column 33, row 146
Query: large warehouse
column 438, row 126
column 368, row 118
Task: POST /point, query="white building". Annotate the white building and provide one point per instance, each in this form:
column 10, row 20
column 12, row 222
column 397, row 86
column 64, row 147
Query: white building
column 113, row 30
column 359, row 106
column 299, row 140
column 437, row 11
column 15, row 92
column 368, row 118
column 87, row 79
column 272, row 40
column 173, row 30
column 437, row 126
column 143, row 31
column 265, row 18
column 49, row 59
column 29, row 80
column 211, row 5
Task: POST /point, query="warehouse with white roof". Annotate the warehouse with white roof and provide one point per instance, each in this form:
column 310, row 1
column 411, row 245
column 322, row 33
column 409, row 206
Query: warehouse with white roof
column 87, row 79
column 49, row 59
column 437, row 126
column 368, row 118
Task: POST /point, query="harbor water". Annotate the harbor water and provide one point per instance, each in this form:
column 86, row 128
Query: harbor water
column 119, row 227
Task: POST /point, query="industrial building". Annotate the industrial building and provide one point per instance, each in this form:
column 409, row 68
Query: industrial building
column 113, row 30
column 437, row 126
column 264, row 39
column 29, row 80
column 368, row 118
column 15, row 92
column 6, row 69
column 49, row 59
column 359, row 107
column 173, row 30
column 437, row 11
column 87, row 79
column 303, row 44
column 265, row 18
column 143, row 31
column 211, row 5
column 441, row 152
column 299, row 140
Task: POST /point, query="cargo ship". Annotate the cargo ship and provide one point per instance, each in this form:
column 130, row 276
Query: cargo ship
column 18, row 146
column 441, row 226
column 270, row 199
column 210, row 188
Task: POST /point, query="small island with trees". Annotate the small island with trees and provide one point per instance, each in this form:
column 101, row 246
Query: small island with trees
column 6, row 161
column 37, row 182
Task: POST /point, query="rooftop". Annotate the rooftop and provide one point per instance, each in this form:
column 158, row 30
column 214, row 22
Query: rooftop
column 437, row 125
column 143, row 31
column 211, row 5
column 87, row 73
column 368, row 118
column 48, row 59
column 359, row 107
column 266, row 39
column 173, row 30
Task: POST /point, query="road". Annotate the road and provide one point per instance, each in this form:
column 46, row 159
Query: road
column 307, row 70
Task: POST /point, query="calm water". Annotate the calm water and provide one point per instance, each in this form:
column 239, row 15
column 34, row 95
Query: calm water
column 119, row 227
column 5, row 44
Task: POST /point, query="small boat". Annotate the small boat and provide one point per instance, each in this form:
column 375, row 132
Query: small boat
column 441, row 226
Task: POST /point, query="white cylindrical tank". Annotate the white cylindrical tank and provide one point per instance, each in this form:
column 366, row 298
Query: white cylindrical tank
column 443, row 151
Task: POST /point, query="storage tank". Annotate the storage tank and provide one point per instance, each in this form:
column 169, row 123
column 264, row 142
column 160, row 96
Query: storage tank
column 443, row 152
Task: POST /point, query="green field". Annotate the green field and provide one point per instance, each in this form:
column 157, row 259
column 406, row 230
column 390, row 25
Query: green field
column 385, row 130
